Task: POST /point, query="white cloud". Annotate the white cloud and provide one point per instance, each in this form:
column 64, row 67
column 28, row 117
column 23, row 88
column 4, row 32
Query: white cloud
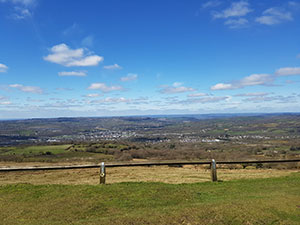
column 3, row 68
column 129, row 77
column 109, row 100
column 222, row 86
column 211, row 4
column 278, row 99
column 287, row 71
column 236, row 23
column 236, row 9
column 112, row 67
column 212, row 99
column 73, row 73
column 94, row 95
column 104, row 88
column 115, row 100
column 29, row 89
column 252, row 80
column 63, row 55
column 177, row 84
column 252, row 94
column 256, row 79
column 175, row 88
column 197, row 95
column 209, row 99
column 273, row 16
column 128, row 101
column 5, row 103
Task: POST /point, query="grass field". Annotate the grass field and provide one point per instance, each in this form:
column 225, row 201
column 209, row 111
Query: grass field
column 165, row 174
column 34, row 150
column 246, row 201
column 49, row 153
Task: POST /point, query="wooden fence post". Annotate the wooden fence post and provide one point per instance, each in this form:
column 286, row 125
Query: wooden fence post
column 102, row 173
column 213, row 167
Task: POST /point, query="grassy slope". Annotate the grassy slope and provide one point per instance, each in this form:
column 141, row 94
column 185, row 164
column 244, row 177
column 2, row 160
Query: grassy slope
column 257, row 201
column 48, row 153
column 34, row 150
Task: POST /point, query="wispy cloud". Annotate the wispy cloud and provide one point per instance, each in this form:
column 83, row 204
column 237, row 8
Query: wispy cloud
column 3, row 68
column 211, row 4
column 73, row 73
column 252, row 80
column 22, row 9
column 287, row 71
column 88, row 41
column 175, row 88
column 23, row 2
column 93, row 95
column 237, row 9
column 111, row 100
column 294, row 4
column 112, row 67
column 104, row 88
column 274, row 15
column 4, row 101
column 208, row 99
column 74, row 29
column 129, row 77
column 128, row 101
column 63, row 55
column 197, row 95
column 278, row 99
column 260, row 94
column 34, row 100
column 21, row 13
column 236, row 23
column 28, row 89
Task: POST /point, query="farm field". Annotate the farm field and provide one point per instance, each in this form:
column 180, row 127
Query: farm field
column 246, row 201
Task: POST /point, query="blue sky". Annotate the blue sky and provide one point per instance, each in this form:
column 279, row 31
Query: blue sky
column 117, row 58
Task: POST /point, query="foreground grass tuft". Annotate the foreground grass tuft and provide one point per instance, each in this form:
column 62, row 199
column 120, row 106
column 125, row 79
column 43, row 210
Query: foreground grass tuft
column 255, row 201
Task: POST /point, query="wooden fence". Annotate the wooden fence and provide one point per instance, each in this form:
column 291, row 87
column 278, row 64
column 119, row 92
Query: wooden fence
column 103, row 166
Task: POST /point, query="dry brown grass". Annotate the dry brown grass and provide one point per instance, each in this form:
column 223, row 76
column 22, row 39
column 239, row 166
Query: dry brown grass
column 175, row 175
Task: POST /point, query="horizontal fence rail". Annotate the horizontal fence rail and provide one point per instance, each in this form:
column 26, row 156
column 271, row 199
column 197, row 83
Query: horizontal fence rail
column 7, row 169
